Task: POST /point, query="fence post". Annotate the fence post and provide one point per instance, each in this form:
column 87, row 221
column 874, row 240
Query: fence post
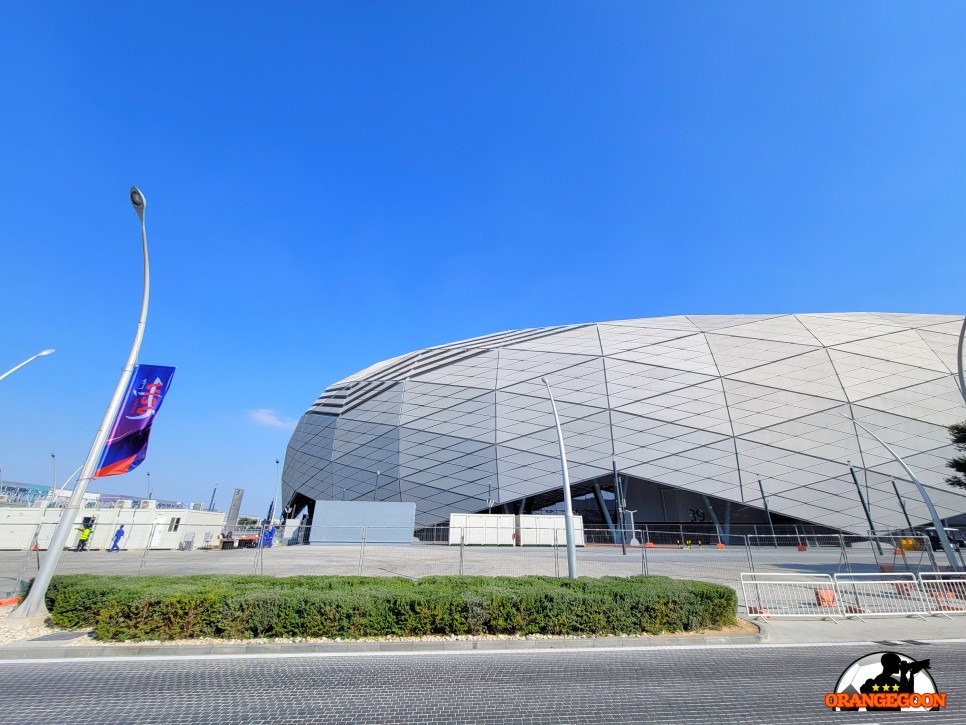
column 258, row 549
column 147, row 547
column 644, row 555
column 462, row 542
column 362, row 549
column 31, row 547
column 844, row 555
column 556, row 554
column 751, row 559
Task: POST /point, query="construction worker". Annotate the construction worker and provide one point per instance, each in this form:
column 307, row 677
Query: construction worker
column 85, row 534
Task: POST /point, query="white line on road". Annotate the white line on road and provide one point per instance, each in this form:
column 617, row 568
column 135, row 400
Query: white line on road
column 448, row 653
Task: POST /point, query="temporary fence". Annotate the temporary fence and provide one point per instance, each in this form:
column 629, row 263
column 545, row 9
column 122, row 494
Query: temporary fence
column 167, row 548
column 945, row 591
column 790, row 595
column 859, row 595
column 881, row 594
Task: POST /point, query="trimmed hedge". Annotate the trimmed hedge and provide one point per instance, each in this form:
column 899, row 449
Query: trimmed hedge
column 158, row 607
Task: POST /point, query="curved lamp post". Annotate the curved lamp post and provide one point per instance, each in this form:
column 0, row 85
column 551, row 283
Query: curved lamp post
column 959, row 361
column 42, row 353
column 33, row 608
column 936, row 521
column 568, row 506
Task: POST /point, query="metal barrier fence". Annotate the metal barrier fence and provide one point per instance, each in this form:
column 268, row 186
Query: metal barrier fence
column 883, row 594
column 859, row 595
column 790, row 595
column 164, row 547
column 945, row 591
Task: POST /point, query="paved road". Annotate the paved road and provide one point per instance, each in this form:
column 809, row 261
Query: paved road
column 752, row 684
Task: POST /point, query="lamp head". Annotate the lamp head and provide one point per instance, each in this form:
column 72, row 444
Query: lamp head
column 138, row 202
column 543, row 380
column 48, row 351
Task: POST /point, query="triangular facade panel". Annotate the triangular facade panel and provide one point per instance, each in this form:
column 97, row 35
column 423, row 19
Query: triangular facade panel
column 699, row 405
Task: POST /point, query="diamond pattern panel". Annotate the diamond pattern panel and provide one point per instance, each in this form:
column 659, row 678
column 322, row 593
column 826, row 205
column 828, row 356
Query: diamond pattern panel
column 837, row 329
column 709, row 404
column 734, row 354
column 865, row 377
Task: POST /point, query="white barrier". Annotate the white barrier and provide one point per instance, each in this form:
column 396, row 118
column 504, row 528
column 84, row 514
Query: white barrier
column 884, row 594
column 945, row 592
column 790, row 595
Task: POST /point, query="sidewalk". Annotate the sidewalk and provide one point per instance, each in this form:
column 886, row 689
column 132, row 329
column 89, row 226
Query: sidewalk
column 873, row 629
column 50, row 644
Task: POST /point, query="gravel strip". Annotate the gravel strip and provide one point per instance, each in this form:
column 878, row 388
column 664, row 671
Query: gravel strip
column 15, row 635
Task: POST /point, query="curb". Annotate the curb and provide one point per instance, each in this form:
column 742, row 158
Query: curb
column 30, row 651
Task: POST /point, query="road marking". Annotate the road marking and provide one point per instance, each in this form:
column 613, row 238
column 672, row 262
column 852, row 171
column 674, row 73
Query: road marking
column 450, row 653
column 434, row 653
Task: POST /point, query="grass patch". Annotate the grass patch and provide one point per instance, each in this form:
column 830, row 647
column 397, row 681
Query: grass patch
column 133, row 608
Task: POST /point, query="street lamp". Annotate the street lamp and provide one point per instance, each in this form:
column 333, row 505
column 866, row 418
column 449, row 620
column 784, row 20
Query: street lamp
column 568, row 507
column 53, row 487
column 150, row 492
column 42, row 353
column 34, row 610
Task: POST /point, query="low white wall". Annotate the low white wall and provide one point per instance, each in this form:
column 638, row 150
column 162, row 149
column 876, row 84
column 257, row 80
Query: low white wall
column 539, row 530
column 512, row 530
column 481, row 529
column 142, row 527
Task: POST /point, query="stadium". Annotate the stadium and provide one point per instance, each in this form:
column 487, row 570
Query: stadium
column 700, row 417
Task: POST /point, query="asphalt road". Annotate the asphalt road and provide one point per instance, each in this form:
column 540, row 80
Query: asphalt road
column 749, row 684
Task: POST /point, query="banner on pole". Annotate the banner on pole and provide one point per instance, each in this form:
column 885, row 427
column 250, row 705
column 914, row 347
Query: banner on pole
column 127, row 444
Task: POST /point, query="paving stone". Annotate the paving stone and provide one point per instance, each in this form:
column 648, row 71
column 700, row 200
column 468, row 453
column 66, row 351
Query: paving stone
column 743, row 685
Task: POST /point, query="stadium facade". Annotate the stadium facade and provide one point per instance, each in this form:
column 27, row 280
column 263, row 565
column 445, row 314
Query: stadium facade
column 692, row 411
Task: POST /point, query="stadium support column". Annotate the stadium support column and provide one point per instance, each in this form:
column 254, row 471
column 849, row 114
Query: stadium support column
column 768, row 513
column 902, row 505
column 865, row 506
column 714, row 516
column 936, row 521
column 602, row 505
column 621, row 505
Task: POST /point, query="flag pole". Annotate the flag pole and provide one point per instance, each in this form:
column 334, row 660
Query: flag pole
column 33, row 609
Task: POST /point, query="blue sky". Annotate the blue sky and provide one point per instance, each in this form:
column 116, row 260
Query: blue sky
column 333, row 184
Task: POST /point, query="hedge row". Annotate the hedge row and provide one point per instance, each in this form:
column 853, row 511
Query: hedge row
column 157, row 607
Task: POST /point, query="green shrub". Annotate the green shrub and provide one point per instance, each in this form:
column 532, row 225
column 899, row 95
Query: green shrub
column 158, row 607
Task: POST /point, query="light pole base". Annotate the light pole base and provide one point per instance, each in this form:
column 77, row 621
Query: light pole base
column 19, row 618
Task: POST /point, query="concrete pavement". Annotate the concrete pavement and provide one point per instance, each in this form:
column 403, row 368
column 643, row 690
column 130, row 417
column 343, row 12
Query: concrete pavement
column 51, row 644
column 752, row 684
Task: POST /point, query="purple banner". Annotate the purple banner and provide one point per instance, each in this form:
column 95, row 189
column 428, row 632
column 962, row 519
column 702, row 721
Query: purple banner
column 127, row 444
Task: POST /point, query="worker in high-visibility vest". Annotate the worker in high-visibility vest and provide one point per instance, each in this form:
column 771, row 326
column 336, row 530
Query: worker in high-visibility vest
column 85, row 534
